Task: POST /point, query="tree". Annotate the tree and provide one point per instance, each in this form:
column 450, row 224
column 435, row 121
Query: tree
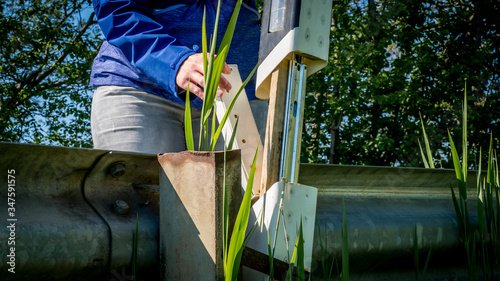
column 393, row 60
column 45, row 59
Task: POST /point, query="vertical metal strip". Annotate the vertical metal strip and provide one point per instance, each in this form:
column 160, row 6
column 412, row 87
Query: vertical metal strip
column 294, row 175
column 289, row 92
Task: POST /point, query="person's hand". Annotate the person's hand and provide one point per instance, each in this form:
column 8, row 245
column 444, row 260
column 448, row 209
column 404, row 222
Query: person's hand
column 191, row 71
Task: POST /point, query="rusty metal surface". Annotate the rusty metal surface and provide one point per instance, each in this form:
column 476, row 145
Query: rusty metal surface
column 59, row 235
column 191, row 190
column 383, row 207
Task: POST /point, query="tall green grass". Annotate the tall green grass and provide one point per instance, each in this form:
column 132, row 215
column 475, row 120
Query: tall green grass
column 327, row 267
column 213, row 66
column 419, row 275
column 481, row 244
column 209, row 134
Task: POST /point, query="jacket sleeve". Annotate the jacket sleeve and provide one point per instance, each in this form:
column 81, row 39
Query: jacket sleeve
column 129, row 25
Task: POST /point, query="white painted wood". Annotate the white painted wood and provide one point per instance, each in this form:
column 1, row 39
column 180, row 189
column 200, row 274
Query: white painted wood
column 247, row 135
column 310, row 39
column 298, row 202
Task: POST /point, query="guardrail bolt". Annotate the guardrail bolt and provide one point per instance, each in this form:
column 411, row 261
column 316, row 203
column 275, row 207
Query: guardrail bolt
column 120, row 207
column 117, row 169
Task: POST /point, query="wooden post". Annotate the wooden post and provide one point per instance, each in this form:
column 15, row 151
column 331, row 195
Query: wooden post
column 274, row 127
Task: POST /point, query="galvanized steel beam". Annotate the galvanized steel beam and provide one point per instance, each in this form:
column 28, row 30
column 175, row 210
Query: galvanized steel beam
column 383, row 207
column 68, row 225
column 191, row 218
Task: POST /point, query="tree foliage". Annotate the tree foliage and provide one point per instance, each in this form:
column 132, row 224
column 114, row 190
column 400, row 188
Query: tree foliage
column 390, row 61
column 393, row 60
column 45, row 58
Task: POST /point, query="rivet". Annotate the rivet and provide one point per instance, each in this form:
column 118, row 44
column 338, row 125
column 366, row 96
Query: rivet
column 320, row 41
column 243, row 141
column 308, row 31
column 120, row 207
column 116, row 169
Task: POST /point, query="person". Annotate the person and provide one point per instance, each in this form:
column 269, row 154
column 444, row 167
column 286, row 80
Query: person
column 141, row 73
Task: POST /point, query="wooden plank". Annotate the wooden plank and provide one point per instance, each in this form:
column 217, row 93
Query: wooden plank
column 274, row 127
column 247, row 135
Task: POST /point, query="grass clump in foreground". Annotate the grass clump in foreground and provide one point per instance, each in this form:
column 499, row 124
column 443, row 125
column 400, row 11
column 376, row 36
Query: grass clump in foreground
column 213, row 65
column 481, row 244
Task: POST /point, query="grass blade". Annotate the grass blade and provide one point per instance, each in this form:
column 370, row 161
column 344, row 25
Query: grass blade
column 204, row 41
column 214, row 118
column 188, row 129
column 271, row 258
column 427, row 263
column 456, row 159
column 464, row 136
column 426, row 165
column 289, row 274
column 228, row 36
column 301, row 274
column 427, row 146
column 233, row 135
column 236, row 244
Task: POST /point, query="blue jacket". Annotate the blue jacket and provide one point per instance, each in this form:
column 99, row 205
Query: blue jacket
column 147, row 41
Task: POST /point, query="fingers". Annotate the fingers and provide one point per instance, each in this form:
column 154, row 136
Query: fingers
column 191, row 72
column 226, row 69
column 224, row 84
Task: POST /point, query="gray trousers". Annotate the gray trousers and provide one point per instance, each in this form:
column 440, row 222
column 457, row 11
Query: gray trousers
column 128, row 119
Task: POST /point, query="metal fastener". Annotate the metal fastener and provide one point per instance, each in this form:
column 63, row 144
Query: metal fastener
column 116, row 169
column 120, row 207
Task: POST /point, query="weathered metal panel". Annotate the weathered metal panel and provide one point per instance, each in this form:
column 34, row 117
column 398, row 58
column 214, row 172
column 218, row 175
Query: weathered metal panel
column 383, row 207
column 65, row 228
column 191, row 218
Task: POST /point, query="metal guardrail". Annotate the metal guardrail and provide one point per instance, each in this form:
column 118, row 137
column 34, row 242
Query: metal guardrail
column 75, row 213
column 383, row 207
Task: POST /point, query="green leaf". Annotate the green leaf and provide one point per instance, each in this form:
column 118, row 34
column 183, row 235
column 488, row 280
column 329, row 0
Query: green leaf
column 301, row 275
column 427, row 145
column 427, row 262
column 456, row 159
column 426, row 165
column 228, row 36
column 271, row 258
column 289, row 273
column 233, row 135
column 236, row 244
column 204, row 41
column 188, row 129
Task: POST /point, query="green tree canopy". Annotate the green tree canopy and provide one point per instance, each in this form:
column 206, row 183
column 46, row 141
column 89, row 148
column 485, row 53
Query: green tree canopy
column 393, row 60
column 45, row 57
column 390, row 61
